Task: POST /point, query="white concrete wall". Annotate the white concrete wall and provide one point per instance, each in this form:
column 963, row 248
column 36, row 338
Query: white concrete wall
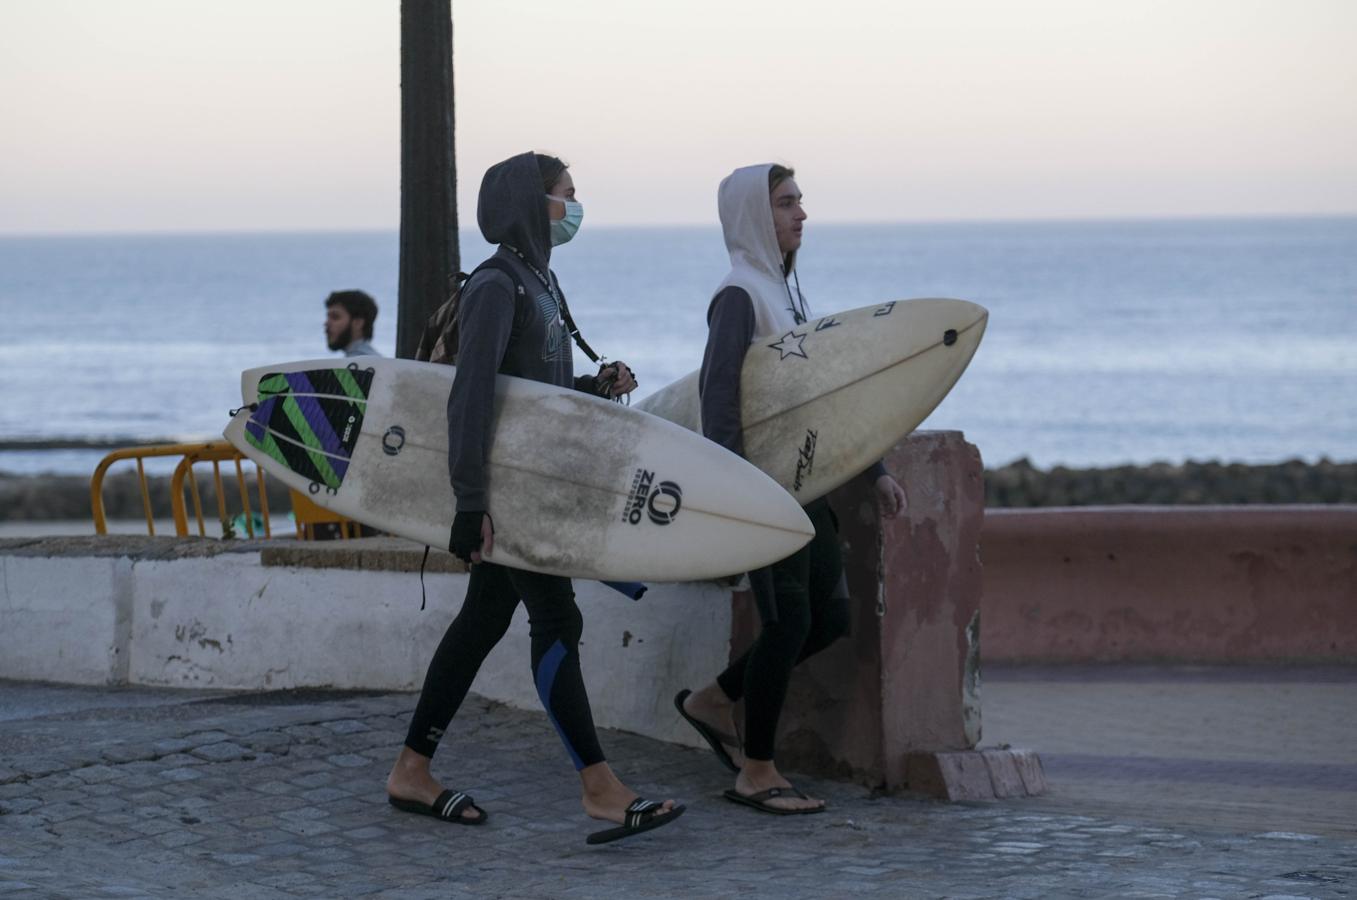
column 226, row 621
column 65, row 620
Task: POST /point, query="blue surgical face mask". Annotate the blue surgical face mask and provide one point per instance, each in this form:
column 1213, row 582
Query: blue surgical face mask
column 564, row 229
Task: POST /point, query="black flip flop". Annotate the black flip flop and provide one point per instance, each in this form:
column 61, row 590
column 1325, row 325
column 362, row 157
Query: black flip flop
column 642, row 815
column 447, row 808
column 760, row 800
column 709, row 734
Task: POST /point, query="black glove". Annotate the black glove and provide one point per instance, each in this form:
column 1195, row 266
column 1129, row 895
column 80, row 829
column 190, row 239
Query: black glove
column 465, row 537
column 603, row 381
column 607, row 375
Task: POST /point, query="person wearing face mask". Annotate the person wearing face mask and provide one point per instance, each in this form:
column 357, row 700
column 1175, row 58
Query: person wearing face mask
column 512, row 319
column 802, row 600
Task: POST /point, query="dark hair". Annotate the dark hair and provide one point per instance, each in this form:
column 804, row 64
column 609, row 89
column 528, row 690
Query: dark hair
column 551, row 168
column 778, row 174
column 358, row 305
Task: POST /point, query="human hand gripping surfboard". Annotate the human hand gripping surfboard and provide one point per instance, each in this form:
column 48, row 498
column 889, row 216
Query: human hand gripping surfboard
column 578, row 486
column 824, row 401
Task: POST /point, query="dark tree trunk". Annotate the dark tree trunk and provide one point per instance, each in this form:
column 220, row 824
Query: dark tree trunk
column 428, row 233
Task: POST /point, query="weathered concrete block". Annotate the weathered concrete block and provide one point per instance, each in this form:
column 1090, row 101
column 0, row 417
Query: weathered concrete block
column 924, row 775
column 975, row 774
column 1029, row 768
column 954, row 775
column 1005, row 779
column 64, row 619
column 373, row 554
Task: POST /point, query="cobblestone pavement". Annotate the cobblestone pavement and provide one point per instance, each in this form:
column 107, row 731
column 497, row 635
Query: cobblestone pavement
column 166, row 794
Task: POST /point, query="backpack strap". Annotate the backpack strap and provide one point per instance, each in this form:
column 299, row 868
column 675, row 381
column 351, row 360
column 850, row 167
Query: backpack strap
column 575, row 333
column 503, row 265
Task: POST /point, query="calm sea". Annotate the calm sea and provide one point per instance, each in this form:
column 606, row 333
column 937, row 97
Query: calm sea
column 1108, row 342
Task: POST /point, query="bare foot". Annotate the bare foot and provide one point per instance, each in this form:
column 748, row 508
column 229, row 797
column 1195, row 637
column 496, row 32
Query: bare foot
column 713, row 708
column 410, row 779
column 761, row 775
column 607, row 798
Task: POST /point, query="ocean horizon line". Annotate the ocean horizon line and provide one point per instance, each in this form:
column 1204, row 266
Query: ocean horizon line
column 1149, row 219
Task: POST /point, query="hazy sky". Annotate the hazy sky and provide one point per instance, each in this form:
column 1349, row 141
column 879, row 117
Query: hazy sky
column 188, row 114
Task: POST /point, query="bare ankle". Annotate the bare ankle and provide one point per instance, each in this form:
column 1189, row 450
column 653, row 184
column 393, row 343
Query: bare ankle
column 599, row 780
column 408, row 762
column 712, row 695
column 759, row 769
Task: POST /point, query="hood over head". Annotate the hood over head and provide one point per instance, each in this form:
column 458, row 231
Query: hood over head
column 756, row 263
column 747, row 221
column 512, row 208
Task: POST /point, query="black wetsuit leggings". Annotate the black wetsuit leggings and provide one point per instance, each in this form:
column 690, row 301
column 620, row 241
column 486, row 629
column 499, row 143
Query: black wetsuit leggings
column 555, row 623
column 812, row 613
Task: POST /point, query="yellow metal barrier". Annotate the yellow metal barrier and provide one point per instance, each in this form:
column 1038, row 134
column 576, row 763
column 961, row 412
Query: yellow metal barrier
column 306, row 514
column 216, row 453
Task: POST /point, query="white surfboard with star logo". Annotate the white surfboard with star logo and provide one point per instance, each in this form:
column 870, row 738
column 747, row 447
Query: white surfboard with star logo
column 825, row 400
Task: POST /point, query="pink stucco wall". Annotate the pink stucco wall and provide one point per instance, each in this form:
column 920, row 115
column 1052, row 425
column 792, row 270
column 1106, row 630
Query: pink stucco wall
column 1208, row 584
column 951, row 584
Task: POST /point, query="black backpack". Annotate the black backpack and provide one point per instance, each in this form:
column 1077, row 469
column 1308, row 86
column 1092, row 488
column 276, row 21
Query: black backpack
column 439, row 342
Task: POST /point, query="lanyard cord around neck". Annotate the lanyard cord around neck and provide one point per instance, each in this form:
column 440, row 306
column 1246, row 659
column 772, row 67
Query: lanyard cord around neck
column 799, row 316
column 561, row 308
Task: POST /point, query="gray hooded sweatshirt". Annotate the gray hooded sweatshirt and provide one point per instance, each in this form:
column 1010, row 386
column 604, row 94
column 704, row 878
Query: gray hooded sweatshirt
column 505, row 329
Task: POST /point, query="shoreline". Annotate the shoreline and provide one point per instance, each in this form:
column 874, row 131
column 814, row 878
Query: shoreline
column 1021, row 485
column 1018, row 485
column 24, row 445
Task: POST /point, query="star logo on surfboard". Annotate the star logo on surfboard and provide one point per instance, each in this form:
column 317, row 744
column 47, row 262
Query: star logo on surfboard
column 790, row 345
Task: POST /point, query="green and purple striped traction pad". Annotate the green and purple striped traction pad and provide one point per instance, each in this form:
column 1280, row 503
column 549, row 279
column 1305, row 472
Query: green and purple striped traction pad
column 309, row 421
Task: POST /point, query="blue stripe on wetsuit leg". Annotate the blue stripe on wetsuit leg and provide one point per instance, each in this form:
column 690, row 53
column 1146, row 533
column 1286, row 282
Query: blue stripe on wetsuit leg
column 546, row 680
column 633, row 589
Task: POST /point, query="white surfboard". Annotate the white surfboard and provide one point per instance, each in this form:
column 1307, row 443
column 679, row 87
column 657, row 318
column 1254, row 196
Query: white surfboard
column 578, row 486
column 824, row 401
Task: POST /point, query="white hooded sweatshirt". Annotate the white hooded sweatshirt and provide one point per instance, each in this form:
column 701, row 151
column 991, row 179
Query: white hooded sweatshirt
column 755, row 260
column 751, row 304
column 755, row 269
